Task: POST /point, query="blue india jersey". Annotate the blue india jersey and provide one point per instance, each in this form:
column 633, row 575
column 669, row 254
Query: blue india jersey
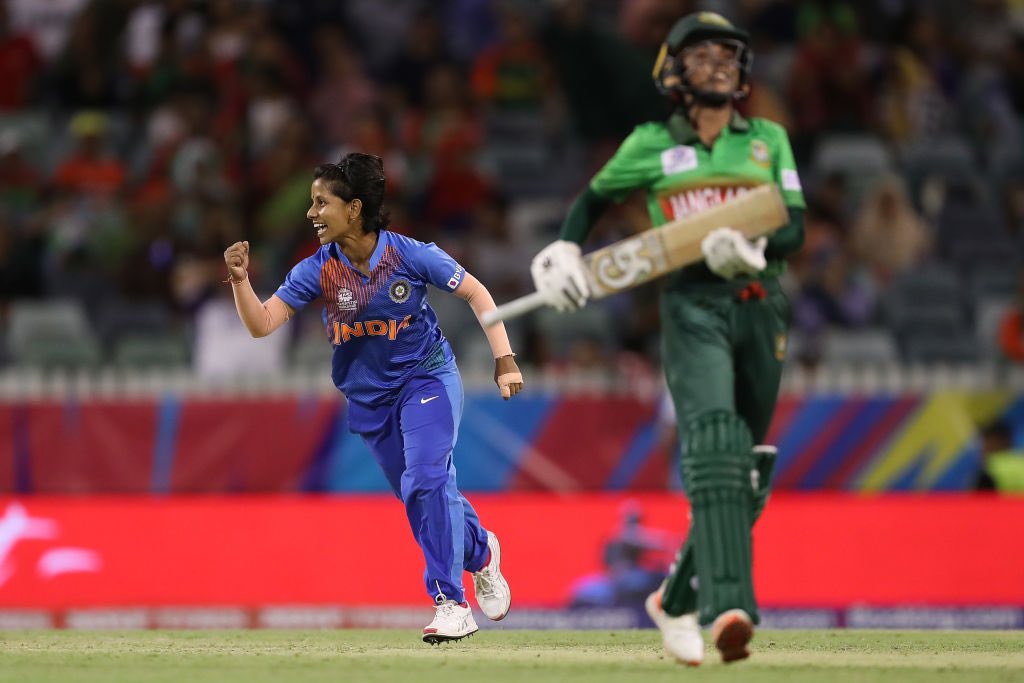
column 381, row 326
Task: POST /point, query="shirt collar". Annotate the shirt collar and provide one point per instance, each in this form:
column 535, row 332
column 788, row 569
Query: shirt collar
column 335, row 250
column 683, row 133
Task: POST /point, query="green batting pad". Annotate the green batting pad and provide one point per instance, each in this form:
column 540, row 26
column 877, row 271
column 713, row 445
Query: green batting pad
column 680, row 594
column 718, row 431
column 716, row 468
column 764, row 464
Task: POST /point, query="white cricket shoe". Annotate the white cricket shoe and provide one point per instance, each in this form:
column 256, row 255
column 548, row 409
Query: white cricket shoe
column 452, row 621
column 732, row 631
column 680, row 635
column 492, row 591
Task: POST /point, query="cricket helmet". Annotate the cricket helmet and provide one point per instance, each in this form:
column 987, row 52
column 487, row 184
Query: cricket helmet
column 670, row 75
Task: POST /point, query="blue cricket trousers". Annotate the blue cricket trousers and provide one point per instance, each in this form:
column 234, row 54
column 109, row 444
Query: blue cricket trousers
column 412, row 441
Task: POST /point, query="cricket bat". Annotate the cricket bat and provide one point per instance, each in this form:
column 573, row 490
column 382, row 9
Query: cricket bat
column 655, row 252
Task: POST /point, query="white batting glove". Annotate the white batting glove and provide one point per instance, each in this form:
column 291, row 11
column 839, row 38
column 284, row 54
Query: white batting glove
column 728, row 253
column 559, row 273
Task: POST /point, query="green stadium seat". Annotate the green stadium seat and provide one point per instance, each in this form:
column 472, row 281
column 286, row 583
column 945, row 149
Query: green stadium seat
column 144, row 351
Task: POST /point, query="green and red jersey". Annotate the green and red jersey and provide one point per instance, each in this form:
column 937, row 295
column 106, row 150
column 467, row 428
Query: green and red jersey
column 681, row 175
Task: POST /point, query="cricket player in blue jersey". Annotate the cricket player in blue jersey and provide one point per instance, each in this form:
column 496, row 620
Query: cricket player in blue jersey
column 397, row 371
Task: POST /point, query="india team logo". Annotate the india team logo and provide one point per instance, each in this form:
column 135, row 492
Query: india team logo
column 400, row 291
column 759, row 152
column 346, row 301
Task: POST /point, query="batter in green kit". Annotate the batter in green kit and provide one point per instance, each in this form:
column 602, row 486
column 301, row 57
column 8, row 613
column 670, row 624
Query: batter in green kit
column 723, row 320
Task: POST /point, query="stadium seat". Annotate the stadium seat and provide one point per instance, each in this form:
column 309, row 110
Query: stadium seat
column 311, row 352
column 868, row 346
column 56, row 353
column 989, row 312
column 514, row 126
column 454, row 315
column 592, row 323
column 147, row 351
column 925, row 319
column 33, row 324
column 954, row 347
column 962, row 216
column 951, row 161
column 988, row 280
column 1005, row 162
column 520, row 168
column 930, row 284
column 30, row 131
column 950, row 155
column 973, row 254
column 118, row 319
column 852, row 155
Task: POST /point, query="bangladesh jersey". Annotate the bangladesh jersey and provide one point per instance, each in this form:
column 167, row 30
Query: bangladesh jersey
column 682, row 176
column 381, row 326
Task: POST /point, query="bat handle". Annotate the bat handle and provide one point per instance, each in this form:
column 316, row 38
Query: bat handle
column 515, row 308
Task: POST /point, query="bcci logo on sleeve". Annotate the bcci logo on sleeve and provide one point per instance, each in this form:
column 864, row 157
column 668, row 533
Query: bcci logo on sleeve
column 400, row 291
column 346, row 301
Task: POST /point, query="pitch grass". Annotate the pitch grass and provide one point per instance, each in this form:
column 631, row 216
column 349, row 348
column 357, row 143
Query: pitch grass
column 499, row 656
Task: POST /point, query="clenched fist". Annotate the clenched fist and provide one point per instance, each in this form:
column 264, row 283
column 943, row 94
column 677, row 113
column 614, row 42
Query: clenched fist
column 237, row 259
column 507, row 376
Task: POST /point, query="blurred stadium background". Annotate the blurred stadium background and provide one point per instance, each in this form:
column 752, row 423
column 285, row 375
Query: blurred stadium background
column 138, row 139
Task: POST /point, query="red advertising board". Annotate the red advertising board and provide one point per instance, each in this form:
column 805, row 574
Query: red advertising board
column 810, row 550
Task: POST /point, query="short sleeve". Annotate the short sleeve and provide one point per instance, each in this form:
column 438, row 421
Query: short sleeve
column 635, row 165
column 786, row 175
column 434, row 265
column 302, row 284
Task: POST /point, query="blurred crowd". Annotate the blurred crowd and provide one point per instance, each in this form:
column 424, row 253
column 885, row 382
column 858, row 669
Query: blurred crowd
column 139, row 138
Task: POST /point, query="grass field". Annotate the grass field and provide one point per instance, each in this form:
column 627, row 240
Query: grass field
column 499, row 656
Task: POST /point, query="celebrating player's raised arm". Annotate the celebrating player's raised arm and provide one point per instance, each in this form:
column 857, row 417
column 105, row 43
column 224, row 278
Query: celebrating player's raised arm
column 260, row 318
column 506, row 374
column 397, row 371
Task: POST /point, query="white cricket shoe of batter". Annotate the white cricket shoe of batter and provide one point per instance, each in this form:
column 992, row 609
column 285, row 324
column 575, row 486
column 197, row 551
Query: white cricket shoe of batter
column 492, row 591
column 452, row 621
column 680, row 635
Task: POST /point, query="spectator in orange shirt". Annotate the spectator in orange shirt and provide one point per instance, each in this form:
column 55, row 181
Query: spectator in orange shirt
column 90, row 169
column 512, row 73
column 1011, row 329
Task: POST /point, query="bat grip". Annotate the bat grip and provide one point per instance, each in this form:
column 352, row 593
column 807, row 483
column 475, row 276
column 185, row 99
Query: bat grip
column 514, row 308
